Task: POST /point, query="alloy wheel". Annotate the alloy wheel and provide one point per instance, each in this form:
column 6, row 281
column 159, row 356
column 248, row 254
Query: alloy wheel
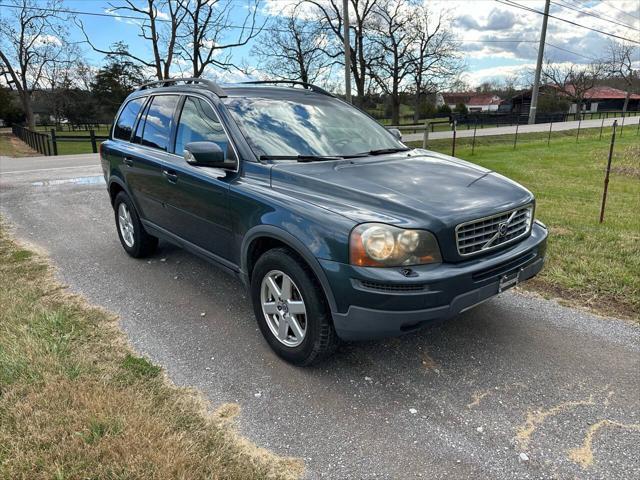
column 283, row 308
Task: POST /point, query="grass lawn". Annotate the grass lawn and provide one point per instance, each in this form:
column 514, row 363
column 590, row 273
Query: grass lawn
column 593, row 265
column 76, row 402
column 12, row 146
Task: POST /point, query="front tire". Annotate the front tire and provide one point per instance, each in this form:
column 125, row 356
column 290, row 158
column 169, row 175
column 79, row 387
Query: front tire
column 133, row 237
column 291, row 309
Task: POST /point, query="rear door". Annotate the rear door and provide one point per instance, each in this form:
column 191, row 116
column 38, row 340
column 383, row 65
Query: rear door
column 148, row 155
column 198, row 200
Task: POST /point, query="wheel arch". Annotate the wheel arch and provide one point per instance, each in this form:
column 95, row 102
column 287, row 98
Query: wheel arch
column 261, row 236
column 116, row 186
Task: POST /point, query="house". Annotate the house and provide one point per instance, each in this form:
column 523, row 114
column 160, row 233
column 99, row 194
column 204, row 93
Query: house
column 598, row 98
column 475, row 102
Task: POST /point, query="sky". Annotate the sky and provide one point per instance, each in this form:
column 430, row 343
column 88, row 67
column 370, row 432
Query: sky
column 497, row 40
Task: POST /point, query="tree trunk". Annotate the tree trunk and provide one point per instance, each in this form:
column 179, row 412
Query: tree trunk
column 416, row 112
column 626, row 101
column 25, row 97
column 395, row 109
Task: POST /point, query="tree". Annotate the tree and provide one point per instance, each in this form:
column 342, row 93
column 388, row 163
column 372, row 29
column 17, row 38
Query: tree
column 115, row 81
column 435, row 61
column 461, row 108
column 292, row 49
column 620, row 64
column 160, row 32
column 362, row 55
column 191, row 30
column 10, row 112
column 206, row 29
column 571, row 80
column 32, row 38
column 58, row 79
column 394, row 39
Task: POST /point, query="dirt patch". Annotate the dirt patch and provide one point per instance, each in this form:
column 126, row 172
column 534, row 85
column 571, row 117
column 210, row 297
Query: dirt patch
column 605, row 305
column 12, row 146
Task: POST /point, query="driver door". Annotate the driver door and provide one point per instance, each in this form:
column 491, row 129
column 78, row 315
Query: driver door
column 198, row 203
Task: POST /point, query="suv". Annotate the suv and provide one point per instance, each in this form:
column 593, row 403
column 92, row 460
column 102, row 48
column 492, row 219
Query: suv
column 338, row 230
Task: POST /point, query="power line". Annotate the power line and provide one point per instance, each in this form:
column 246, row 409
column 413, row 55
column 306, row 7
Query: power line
column 522, row 7
column 635, row 19
column 570, row 7
column 626, row 13
column 569, row 51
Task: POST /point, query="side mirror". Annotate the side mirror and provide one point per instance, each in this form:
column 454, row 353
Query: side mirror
column 396, row 133
column 206, row 154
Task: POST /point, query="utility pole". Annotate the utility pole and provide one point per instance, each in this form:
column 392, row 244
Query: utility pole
column 347, row 51
column 536, row 82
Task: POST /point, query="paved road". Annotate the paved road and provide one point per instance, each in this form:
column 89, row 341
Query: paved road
column 517, row 388
column 629, row 122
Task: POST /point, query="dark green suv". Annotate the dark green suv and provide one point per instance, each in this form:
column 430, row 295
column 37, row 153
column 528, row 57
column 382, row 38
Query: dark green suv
column 338, row 229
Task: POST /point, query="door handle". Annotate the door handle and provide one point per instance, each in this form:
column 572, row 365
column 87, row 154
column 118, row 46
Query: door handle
column 170, row 175
column 128, row 161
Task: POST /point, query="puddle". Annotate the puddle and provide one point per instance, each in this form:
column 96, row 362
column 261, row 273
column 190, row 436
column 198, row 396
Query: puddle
column 95, row 180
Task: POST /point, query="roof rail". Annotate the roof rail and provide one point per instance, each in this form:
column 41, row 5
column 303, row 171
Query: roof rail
column 306, row 85
column 213, row 86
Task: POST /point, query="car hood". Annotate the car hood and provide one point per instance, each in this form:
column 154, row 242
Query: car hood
column 416, row 189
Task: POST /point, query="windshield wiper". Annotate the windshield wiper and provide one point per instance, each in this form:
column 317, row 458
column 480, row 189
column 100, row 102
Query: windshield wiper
column 380, row 151
column 301, row 158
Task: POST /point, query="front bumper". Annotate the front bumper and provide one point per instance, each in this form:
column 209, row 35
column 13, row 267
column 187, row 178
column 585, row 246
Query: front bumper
column 382, row 302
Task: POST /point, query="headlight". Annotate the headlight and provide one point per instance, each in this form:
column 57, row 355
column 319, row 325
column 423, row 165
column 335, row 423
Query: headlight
column 380, row 245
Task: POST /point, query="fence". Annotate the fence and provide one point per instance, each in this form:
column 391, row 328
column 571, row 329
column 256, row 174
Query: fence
column 498, row 119
column 47, row 143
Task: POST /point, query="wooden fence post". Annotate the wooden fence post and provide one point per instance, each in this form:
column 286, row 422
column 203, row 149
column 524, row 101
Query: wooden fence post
column 606, row 176
column 54, row 143
column 578, row 132
column 601, row 127
column 549, row 137
column 453, row 144
column 92, row 135
column 473, row 142
column 425, row 136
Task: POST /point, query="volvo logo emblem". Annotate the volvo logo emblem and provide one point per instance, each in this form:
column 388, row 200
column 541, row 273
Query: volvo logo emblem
column 503, row 229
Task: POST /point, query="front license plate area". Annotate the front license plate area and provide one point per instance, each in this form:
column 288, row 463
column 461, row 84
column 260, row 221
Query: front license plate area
column 508, row 281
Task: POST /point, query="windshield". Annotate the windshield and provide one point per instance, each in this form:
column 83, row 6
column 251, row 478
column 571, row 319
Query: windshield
column 308, row 125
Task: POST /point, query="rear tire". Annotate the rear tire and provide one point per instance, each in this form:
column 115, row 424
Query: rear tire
column 305, row 338
column 133, row 237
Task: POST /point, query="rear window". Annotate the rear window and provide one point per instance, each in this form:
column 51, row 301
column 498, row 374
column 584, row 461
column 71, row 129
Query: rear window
column 157, row 124
column 127, row 118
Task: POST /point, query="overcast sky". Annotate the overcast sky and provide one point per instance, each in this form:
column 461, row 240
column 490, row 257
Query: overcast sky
column 497, row 39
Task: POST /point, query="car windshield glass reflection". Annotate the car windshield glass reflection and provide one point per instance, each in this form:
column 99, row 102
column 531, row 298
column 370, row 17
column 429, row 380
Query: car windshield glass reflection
column 308, row 126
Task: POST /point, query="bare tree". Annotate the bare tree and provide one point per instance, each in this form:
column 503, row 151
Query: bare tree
column 59, row 77
column 32, row 38
column 292, row 49
column 330, row 15
column 394, row 38
column 210, row 33
column 435, row 59
column 162, row 20
column 571, row 80
column 619, row 64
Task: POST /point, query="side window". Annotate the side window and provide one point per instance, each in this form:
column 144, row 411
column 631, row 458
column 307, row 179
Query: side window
column 199, row 123
column 127, row 119
column 157, row 125
column 137, row 136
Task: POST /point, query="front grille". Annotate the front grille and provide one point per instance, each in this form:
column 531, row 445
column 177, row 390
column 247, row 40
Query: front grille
column 494, row 231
